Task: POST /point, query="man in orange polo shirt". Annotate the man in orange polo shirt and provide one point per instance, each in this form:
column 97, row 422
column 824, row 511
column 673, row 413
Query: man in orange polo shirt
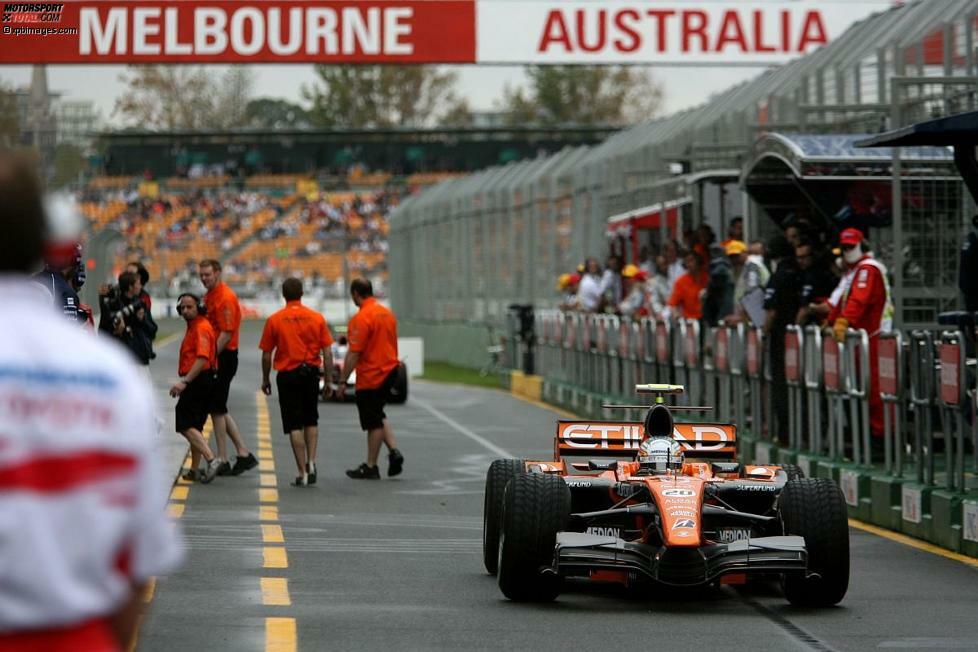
column 373, row 354
column 301, row 341
column 196, row 368
column 687, row 293
column 224, row 314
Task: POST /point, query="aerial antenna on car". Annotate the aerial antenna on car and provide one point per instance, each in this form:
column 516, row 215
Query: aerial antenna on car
column 660, row 390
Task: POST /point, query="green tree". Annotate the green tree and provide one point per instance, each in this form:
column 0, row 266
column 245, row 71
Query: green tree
column 271, row 113
column 381, row 96
column 586, row 95
column 184, row 97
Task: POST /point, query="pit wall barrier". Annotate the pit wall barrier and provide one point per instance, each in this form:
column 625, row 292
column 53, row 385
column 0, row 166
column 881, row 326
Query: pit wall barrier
column 920, row 477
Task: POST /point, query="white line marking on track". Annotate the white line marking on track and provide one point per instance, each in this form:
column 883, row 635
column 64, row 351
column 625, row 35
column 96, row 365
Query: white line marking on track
column 482, row 441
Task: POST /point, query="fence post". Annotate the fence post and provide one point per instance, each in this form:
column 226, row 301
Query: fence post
column 721, row 363
column 890, row 377
column 707, row 367
column 813, row 388
column 952, row 397
column 921, row 397
column 857, row 388
column 754, row 362
column 663, row 351
column 693, row 354
column 793, row 371
column 735, row 360
column 678, row 363
column 832, row 355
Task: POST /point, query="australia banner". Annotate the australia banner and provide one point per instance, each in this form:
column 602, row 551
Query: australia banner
column 707, row 32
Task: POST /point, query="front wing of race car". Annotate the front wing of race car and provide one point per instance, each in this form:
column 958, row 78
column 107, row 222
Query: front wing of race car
column 581, row 555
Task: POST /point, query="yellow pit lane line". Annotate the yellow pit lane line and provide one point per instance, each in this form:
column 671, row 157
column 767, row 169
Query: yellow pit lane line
column 275, row 592
column 914, row 543
column 268, row 513
column 267, row 479
column 266, row 495
column 274, row 557
column 180, row 493
column 272, row 533
column 175, row 510
column 280, row 635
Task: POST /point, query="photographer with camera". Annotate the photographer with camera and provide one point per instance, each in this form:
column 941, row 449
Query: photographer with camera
column 126, row 318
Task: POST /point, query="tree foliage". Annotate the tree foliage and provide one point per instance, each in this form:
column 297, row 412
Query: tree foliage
column 184, row 97
column 272, row 113
column 382, row 96
column 584, row 95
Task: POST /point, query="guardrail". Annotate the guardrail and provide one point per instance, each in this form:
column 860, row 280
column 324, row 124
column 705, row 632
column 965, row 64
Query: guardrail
column 929, row 432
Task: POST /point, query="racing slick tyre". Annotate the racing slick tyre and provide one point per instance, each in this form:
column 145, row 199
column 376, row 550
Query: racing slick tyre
column 793, row 471
column 815, row 509
column 535, row 507
column 499, row 474
column 399, row 388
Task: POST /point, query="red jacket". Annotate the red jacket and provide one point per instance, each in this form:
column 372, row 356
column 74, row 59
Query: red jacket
column 865, row 301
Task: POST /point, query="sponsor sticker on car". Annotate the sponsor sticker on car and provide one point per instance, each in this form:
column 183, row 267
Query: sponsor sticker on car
column 679, row 493
column 731, row 534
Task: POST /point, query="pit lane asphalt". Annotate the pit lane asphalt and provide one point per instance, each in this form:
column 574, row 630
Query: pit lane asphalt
column 396, row 563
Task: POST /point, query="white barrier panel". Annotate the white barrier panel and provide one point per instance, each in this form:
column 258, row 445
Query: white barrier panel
column 411, row 351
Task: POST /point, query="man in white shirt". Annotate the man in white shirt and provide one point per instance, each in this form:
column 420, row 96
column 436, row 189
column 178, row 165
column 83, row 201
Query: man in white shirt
column 82, row 496
column 590, row 290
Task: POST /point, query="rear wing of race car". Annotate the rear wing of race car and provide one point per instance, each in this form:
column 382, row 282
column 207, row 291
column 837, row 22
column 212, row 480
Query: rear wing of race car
column 715, row 441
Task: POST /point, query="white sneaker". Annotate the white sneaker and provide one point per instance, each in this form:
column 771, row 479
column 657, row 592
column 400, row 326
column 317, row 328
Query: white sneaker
column 210, row 471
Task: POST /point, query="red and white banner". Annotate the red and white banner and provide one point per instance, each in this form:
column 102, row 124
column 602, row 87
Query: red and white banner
column 423, row 31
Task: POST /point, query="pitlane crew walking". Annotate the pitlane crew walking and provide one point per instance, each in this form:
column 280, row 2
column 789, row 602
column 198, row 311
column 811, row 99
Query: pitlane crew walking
column 302, row 344
column 224, row 314
column 196, row 385
column 83, row 497
column 865, row 305
column 372, row 353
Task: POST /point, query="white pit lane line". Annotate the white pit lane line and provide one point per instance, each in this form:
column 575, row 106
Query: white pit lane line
column 479, row 439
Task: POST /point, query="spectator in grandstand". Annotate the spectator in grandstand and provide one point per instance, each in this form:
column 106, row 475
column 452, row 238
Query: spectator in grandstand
column 718, row 296
column 590, row 290
column 735, row 231
column 82, row 535
column 866, row 304
column 197, row 368
column 750, row 275
column 635, row 302
column 224, row 314
column 816, row 281
column 303, row 346
column 686, row 295
column 124, row 317
column 781, row 300
column 968, row 270
column 372, row 353
column 611, row 282
column 658, row 288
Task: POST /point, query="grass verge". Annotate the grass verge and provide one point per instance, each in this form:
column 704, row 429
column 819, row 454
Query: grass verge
column 442, row 372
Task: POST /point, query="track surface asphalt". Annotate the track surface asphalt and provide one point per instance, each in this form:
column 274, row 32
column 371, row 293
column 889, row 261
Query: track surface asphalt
column 396, row 563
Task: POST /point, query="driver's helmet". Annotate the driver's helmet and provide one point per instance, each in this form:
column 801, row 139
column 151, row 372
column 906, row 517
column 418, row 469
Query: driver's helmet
column 658, row 455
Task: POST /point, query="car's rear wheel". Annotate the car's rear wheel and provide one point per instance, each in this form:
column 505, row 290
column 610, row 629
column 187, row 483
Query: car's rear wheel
column 499, row 474
column 535, row 507
column 815, row 509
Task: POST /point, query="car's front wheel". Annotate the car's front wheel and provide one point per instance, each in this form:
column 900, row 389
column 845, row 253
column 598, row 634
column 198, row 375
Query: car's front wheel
column 535, row 508
column 815, row 509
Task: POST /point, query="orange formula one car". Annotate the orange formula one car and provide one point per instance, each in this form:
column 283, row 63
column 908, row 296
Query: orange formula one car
column 661, row 502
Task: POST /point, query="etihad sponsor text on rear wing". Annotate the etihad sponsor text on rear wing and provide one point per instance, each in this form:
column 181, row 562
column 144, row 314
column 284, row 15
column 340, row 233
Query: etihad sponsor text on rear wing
column 621, row 438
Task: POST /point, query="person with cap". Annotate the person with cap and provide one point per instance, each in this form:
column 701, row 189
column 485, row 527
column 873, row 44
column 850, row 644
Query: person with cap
column 750, row 275
column 635, row 303
column 302, row 344
column 865, row 305
column 567, row 286
column 83, row 492
column 62, row 261
column 735, row 231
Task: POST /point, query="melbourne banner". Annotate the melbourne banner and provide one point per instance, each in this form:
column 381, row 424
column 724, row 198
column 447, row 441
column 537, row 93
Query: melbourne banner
column 424, row 31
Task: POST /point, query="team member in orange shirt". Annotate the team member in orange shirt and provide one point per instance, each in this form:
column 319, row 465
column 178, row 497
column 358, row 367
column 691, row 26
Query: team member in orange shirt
column 224, row 314
column 301, row 341
column 686, row 295
column 373, row 354
column 196, row 369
